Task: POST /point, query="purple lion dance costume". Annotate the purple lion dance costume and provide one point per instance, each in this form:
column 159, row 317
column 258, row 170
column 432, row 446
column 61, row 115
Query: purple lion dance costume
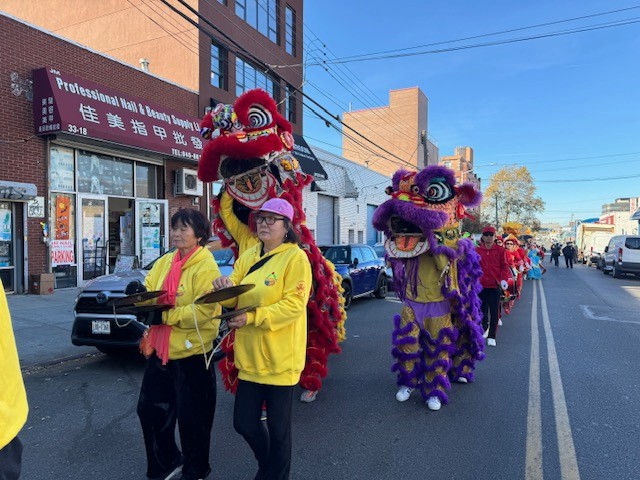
column 438, row 335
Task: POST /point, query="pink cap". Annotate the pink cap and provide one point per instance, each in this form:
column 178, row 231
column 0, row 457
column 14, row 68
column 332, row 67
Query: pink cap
column 279, row 206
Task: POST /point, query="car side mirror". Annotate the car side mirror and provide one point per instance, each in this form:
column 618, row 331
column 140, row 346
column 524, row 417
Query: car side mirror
column 355, row 262
column 606, row 249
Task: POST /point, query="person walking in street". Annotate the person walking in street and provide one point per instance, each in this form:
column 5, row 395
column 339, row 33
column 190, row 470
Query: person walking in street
column 495, row 272
column 569, row 253
column 179, row 382
column 555, row 253
column 13, row 397
column 271, row 339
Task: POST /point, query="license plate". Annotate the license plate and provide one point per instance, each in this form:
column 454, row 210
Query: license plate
column 100, row 327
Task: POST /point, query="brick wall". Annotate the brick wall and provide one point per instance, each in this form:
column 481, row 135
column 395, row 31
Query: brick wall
column 22, row 155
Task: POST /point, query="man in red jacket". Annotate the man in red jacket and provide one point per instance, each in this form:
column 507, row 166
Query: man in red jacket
column 495, row 272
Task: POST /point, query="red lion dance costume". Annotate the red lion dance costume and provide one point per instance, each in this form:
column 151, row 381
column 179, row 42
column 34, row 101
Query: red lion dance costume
column 251, row 156
column 438, row 335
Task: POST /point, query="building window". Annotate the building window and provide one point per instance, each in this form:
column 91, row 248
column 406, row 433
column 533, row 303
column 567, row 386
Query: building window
column 219, row 61
column 248, row 77
column 290, row 104
column 222, row 2
column 261, row 15
column 290, row 31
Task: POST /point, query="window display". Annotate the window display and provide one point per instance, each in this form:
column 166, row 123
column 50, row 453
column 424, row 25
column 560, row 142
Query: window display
column 104, row 175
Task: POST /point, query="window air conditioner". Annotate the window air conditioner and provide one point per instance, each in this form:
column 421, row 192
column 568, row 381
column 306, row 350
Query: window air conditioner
column 187, row 183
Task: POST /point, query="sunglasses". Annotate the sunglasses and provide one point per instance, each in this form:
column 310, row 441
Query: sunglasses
column 488, row 234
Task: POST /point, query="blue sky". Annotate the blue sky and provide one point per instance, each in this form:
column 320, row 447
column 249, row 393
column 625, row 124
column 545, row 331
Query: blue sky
column 567, row 107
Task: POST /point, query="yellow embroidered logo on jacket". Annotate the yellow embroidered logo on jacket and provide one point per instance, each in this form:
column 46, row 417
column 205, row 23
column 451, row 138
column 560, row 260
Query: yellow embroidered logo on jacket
column 301, row 289
column 271, row 280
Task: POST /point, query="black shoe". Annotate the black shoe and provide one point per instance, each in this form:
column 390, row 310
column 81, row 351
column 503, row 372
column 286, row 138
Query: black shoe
column 172, row 472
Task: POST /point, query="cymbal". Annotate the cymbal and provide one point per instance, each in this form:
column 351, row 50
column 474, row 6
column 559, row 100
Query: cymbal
column 135, row 298
column 233, row 313
column 225, row 293
column 135, row 310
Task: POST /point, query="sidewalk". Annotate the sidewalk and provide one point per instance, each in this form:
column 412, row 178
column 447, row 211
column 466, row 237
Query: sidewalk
column 42, row 326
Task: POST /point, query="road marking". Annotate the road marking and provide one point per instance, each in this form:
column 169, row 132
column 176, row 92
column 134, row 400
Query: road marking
column 566, row 449
column 394, row 300
column 589, row 313
column 533, row 465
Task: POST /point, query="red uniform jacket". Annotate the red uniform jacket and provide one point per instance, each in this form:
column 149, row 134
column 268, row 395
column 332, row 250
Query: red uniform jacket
column 495, row 265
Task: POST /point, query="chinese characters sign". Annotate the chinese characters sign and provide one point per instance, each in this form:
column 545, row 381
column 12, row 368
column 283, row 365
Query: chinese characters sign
column 65, row 103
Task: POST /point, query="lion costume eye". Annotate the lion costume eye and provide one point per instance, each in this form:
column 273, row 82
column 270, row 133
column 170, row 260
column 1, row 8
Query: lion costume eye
column 439, row 191
column 259, row 116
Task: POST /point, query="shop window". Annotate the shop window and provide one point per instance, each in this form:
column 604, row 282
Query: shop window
column 62, row 244
column 62, row 169
column 146, row 180
column 103, row 175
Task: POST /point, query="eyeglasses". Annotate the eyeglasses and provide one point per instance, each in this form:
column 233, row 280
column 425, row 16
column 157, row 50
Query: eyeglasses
column 509, row 243
column 488, row 234
column 269, row 220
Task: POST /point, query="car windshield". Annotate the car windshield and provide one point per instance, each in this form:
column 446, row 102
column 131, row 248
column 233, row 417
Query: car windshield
column 337, row 254
column 224, row 256
column 379, row 249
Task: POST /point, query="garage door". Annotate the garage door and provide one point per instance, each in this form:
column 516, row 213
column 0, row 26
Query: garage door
column 326, row 214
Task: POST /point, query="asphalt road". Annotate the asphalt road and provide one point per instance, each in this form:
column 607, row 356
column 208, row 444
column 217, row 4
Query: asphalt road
column 558, row 398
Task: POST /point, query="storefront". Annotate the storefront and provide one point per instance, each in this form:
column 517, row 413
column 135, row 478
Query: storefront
column 108, row 157
column 15, row 201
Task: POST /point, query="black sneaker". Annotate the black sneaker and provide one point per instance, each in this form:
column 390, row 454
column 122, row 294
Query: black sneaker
column 172, row 472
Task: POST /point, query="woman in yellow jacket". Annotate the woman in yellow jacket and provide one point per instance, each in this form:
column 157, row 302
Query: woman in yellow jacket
column 179, row 380
column 13, row 398
column 270, row 341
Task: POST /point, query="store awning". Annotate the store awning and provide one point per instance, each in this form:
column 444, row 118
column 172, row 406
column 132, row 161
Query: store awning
column 635, row 216
column 22, row 192
column 308, row 161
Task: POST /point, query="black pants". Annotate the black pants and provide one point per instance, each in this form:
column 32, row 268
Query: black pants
column 554, row 258
column 490, row 298
column 11, row 460
column 182, row 390
column 271, row 446
column 568, row 261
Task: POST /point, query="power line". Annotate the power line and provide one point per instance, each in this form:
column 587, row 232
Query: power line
column 601, row 179
column 494, row 33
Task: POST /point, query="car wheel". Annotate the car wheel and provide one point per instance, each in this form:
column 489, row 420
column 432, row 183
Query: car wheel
column 616, row 273
column 347, row 295
column 381, row 289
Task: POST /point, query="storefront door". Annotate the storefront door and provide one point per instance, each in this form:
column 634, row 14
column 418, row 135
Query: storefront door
column 152, row 219
column 7, row 246
column 92, row 238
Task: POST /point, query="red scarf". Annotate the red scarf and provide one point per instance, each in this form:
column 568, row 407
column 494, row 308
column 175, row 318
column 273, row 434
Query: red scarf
column 157, row 337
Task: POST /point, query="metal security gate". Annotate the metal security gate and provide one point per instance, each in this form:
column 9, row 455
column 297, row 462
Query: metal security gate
column 325, row 220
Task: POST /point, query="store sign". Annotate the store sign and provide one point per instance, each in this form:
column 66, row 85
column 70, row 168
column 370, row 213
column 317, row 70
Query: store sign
column 307, row 159
column 69, row 104
column 35, row 208
column 17, row 191
column 62, row 252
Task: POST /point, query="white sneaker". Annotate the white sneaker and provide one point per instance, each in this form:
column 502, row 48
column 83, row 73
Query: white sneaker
column 491, row 342
column 434, row 403
column 486, row 333
column 308, row 396
column 499, row 322
column 403, row 394
column 462, row 380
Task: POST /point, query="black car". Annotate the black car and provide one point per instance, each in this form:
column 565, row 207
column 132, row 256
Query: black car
column 363, row 272
column 97, row 324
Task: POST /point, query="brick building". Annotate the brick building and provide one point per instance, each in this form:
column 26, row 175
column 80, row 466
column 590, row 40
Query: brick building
column 461, row 162
column 400, row 128
column 91, row 152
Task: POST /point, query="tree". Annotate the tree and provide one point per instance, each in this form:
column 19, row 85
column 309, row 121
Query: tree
column 512, row 189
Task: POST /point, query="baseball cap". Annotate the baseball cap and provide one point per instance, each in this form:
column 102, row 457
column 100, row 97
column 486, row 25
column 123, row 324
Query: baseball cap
column 279, row 206
column 488, row 229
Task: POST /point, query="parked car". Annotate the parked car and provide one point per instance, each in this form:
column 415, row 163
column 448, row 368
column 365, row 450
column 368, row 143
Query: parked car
column 596, row 245
column 622, row 256
column 363, row 272
column 381, row 253
column 97, row 324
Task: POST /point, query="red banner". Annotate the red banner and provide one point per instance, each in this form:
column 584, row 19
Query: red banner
column 65, row 103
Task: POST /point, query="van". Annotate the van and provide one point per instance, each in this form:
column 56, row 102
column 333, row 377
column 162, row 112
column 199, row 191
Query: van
column 622, row 255
column 595, row 248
